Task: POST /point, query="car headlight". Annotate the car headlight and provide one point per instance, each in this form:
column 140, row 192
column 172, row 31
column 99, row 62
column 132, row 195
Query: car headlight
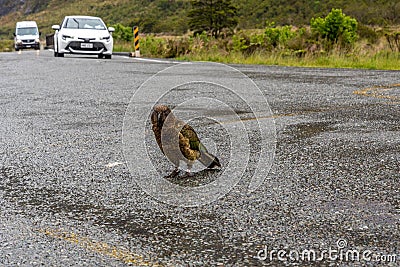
column 37, row 40
column 107, row 38
column 65, row 37
column 19, row 41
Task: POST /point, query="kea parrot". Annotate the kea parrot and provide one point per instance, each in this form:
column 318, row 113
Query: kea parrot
column 178, row 141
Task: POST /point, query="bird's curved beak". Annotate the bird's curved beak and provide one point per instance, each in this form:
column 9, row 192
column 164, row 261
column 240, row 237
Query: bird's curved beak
column 154, row 118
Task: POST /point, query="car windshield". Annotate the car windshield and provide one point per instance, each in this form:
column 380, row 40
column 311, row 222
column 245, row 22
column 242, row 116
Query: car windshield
column 27, row 31
column 84, row 23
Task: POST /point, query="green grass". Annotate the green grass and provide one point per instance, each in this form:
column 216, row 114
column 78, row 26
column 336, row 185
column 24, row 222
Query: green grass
column 359, row 58
column 154, row 47
column 382, row 61
column 6, row 45
column 122, row 46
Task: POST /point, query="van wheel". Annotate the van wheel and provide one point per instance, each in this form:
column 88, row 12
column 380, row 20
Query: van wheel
column 60, row 54
column 16, row 49
column 55, row 54
column 108, row 56
column 100, row 56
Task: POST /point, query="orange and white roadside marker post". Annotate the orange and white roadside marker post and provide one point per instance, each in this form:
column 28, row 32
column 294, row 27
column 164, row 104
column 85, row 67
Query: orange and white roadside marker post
column 136, row 42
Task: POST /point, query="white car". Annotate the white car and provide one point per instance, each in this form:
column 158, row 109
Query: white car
column 83, row 35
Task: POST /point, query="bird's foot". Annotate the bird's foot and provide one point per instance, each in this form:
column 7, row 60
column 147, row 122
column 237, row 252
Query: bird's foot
column 188, row 173
column 173, row 174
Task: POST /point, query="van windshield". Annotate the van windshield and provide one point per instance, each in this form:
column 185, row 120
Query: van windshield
column 27, row 31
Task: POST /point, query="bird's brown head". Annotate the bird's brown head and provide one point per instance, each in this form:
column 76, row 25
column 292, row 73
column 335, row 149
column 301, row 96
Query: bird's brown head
column 159, row 115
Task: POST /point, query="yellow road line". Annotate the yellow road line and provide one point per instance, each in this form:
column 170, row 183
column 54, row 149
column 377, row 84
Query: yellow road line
column 377, row 92
column 102, row 248
column 274, row 116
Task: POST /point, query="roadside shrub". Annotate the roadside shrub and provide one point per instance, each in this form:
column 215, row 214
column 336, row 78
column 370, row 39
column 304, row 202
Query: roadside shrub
column 152, row 46
column 246, row 43
column 393, row 40
column 240, row 42
column 203, row 37
column 273, row 38
column 6, row 45
column 199, row 42
column 368, row 33
column 301, row 43
column 300, row 40
column 278, row 37
column 336, row 28
column 177, row 47
column 123, row 33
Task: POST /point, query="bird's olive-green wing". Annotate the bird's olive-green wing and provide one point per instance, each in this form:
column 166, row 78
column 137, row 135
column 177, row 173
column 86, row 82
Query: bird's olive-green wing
column 189, row 142
column 194, row 141
column 197, row 148
column 187, row 151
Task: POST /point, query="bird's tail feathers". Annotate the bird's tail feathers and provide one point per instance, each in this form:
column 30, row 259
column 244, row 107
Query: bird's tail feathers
column 209, row 160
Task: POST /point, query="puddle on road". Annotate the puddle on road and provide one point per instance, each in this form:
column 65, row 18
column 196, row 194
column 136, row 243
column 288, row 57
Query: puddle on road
column 308, row 130
column 200, row 178
column 164, row 231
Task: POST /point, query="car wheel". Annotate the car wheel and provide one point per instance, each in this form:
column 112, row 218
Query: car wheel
column 100, row 56
column 56, row 53
column 108, row 56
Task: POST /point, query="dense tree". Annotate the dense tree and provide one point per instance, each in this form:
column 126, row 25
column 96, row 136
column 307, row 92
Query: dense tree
column 212, row 16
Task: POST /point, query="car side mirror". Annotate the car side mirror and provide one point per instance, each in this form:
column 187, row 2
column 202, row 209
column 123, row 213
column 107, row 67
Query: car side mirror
column 40, row 33
column 55, row 27
column 111, row 29
column 14, row 34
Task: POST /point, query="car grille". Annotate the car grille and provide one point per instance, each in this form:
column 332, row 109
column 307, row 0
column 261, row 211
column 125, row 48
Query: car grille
column 77, row 46
column 27, row 41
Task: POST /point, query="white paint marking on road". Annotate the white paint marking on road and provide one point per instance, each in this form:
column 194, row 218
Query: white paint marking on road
column 113, row 164
column 159, row 61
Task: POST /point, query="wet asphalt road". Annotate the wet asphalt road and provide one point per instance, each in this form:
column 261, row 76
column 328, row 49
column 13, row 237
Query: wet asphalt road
column 68, row 198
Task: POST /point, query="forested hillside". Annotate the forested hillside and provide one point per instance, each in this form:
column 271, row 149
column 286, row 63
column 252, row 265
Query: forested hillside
column 299, row 12
column 170, row 16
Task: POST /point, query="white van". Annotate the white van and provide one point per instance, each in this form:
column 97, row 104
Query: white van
column 26, row 35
